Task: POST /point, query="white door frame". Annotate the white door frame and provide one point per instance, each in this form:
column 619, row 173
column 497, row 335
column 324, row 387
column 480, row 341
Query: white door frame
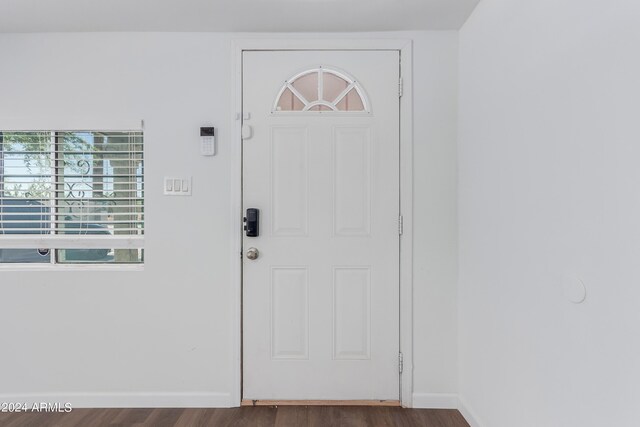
column 406, row 192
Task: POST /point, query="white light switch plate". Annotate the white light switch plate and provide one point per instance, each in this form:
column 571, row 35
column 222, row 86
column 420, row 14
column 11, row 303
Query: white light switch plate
column 177, row 186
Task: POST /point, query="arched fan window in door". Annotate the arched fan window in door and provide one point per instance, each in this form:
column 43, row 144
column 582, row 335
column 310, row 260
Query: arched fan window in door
column 321, row 90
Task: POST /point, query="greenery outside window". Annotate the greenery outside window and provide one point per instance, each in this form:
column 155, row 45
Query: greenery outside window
column 71, row 197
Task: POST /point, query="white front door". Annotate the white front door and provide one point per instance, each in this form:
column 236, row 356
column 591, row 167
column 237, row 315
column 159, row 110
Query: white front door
column 321, row 163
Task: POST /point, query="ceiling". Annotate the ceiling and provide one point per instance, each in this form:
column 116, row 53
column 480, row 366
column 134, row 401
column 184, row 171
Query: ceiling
column 232, row 15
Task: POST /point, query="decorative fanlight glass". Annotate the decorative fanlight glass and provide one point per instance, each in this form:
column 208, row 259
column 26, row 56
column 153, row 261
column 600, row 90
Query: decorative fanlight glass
column 321, row 90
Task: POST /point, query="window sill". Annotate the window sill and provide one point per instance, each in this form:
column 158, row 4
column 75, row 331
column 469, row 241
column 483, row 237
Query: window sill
column 71, row 267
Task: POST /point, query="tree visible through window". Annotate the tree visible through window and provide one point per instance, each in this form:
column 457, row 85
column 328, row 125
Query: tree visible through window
column 77, row 196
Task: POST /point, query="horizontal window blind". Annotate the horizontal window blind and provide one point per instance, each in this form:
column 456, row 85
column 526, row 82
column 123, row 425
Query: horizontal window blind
column 86, row 187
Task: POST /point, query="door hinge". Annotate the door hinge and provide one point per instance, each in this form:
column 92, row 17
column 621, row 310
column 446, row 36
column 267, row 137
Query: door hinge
column 400, row 362
column 400, row 87
column 400, row 225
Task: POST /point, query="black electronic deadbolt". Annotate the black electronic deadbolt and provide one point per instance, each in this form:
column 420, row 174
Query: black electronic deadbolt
column 252, row 222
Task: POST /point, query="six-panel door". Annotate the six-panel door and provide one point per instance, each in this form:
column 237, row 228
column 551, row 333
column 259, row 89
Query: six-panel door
column 321, row 301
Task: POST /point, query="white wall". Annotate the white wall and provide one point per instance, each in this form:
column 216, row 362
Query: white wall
column 549, row 186
column 435, row 220
column 164, row 336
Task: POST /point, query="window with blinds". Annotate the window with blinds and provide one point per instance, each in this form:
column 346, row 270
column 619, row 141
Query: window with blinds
column 71, row 197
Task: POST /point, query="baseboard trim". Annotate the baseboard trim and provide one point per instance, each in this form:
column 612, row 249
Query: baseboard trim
column 249, row 402
column 218, row 400
column 468, row 413
column 435, row 400
column 127, row 400
column 446, row 401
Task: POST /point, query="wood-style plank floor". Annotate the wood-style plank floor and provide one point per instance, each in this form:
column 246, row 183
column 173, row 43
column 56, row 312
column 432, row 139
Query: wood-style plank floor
column 283, row 416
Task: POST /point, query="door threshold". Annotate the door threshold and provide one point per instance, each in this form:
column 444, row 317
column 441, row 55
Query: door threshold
column 260, row 402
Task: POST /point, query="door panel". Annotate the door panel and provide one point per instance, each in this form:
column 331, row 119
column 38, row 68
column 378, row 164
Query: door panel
column 351, row 313
column 289, row 313
column 289, row 185
column 351, row 181
column 320, row 303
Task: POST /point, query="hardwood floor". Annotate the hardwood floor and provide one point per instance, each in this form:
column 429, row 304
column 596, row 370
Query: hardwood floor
column 263, row 416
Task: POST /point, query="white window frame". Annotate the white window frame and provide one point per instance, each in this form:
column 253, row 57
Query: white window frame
column 54, row 242
column 321, row 69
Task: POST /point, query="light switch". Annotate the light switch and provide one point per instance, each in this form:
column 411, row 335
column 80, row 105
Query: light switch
column 174, row 186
